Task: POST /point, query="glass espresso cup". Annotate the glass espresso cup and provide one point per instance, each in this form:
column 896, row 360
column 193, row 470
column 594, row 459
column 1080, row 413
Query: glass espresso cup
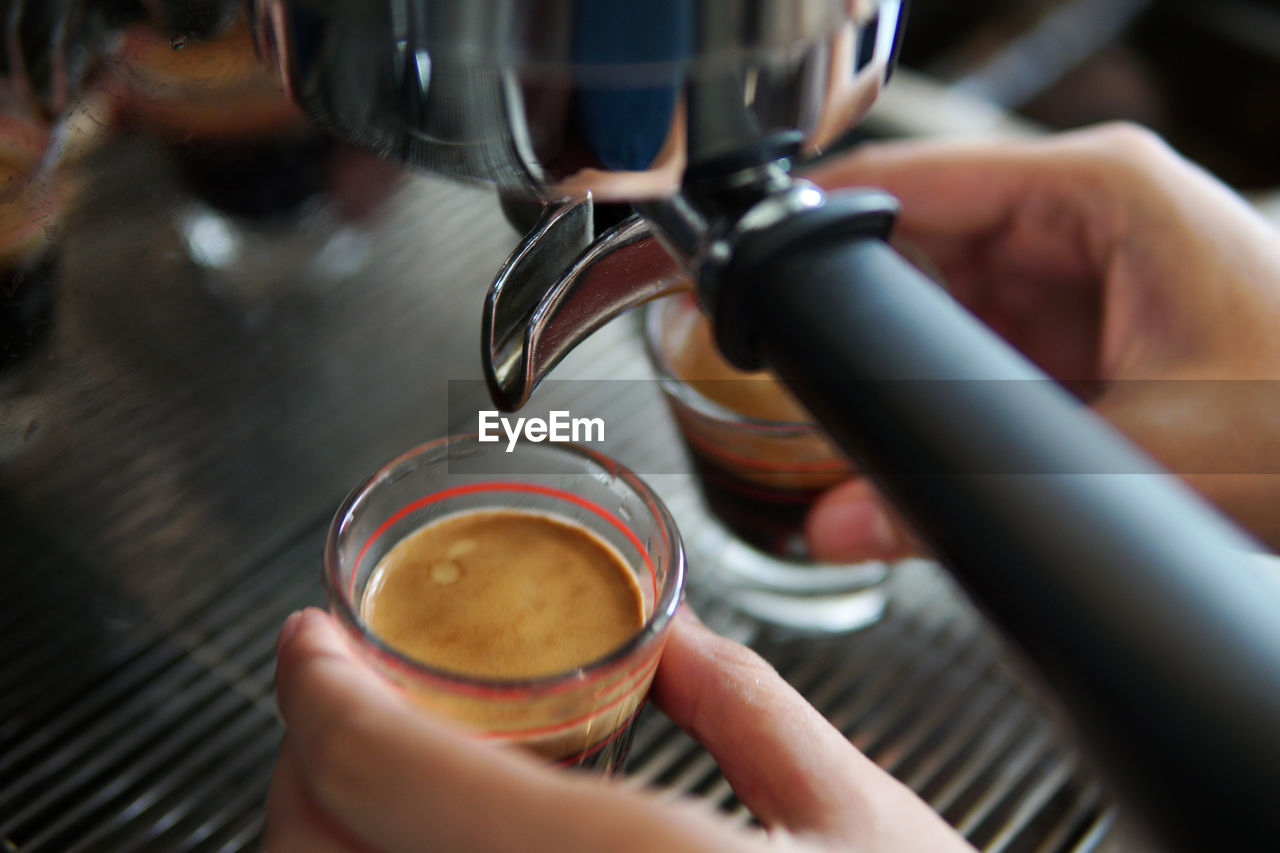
column 583, row 716
column 761, row 463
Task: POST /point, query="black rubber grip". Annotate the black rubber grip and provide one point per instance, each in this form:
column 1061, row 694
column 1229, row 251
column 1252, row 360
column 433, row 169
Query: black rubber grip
column 1133, row 598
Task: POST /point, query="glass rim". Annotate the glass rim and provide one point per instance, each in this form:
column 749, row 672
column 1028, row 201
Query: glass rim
column 666, row 601
column 695, row 399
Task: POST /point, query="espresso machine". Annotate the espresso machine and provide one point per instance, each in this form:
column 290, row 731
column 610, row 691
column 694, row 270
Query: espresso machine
column 661, row 145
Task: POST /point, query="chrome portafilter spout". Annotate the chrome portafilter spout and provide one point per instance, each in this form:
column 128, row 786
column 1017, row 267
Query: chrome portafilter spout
column 1135, row 600
column 528, row 327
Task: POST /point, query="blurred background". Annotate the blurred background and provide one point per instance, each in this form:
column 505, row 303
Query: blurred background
column 1203, row 75
column 216, row 320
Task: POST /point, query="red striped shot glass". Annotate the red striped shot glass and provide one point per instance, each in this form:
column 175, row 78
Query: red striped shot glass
column 583, row 716
column 761, row 462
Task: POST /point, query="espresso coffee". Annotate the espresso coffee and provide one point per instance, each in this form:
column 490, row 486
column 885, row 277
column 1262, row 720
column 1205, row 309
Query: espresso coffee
column 518, row 596
column 694, row 358
column 761, row 472
column 504, row 595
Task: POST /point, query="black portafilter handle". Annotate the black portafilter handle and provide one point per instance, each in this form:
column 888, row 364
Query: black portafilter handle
column 1134, row 599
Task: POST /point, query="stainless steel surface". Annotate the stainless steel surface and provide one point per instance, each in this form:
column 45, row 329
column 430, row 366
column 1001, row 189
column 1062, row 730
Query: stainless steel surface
column 528, row 327
column 563, row 282
column 561, row 97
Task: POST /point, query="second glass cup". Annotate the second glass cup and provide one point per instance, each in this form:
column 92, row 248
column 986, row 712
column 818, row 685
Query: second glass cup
column 583, row 715
column 761, row 463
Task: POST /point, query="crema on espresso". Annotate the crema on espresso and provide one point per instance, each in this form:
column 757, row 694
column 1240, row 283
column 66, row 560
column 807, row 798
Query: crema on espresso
column 503, row 594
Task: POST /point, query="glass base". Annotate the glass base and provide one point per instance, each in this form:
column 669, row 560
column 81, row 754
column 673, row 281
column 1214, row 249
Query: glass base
column 818, row 598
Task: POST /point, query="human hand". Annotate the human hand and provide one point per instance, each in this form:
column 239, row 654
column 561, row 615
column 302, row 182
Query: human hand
column 361, row 769
column 1120, row 269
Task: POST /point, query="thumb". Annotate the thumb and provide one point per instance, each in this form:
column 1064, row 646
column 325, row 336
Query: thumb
column 392, row 777
column 852, row 522
column 786, row 763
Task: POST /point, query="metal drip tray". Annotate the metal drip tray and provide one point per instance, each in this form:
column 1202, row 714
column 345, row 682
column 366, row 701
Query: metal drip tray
column 169, row 458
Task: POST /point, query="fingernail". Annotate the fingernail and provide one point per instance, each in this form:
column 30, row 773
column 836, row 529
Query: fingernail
column 881, row 530
column 288, row 629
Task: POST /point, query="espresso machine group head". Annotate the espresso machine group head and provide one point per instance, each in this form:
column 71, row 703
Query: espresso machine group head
column 557, row 99
column 692, row 112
